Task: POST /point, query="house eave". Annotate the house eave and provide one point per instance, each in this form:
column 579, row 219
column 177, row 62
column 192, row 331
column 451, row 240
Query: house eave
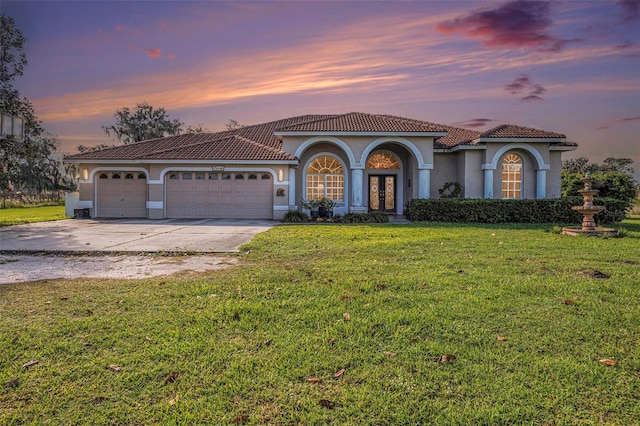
column 403, row 134
column 525, row 140
column 563, row 148
column 155, row 161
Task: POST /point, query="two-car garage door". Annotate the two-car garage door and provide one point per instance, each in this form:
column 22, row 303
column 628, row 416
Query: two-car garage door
column 245, row 195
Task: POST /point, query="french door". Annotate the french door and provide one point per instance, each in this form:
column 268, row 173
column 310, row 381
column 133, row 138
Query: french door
column 382, row 193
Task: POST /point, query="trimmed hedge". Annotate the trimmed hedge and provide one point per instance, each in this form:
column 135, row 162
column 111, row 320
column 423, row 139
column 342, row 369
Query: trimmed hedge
column 557, row 210
column 371, row 217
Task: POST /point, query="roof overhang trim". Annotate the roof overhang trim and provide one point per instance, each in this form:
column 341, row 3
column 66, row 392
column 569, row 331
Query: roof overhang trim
column 524, row 140
column 405, row 134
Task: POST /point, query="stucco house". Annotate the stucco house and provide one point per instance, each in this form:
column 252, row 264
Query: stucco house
column 362, row 161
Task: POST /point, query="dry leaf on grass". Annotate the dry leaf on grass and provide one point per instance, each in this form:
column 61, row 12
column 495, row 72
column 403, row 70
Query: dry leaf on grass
column 327, row 404
column 115, row 368
column 501, row 338
column 339, row 373
column 607, row 361
column 446, row 358
column 11, row 384
column 347, row 316
column 331, row 341
column 314, row 380
column 174, row 400
column 30, row 363
column 390, row 354
column 242, row 418
column 171, row 378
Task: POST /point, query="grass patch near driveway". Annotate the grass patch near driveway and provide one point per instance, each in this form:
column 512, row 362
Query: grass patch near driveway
column 352, row 324
column 18, row 215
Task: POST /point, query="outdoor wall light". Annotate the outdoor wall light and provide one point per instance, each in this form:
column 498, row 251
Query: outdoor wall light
column 85, row 174
column 280, row 175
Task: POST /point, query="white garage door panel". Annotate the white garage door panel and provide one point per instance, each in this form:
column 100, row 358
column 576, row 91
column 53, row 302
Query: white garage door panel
column 121, row 194
column 236, row 197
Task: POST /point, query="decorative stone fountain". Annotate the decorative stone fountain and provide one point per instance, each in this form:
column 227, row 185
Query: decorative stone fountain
column 588, row 210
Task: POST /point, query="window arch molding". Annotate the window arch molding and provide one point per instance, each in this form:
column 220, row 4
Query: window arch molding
column 345, row 173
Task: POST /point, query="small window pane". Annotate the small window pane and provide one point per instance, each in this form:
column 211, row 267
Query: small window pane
column 103, row 176
column 128, row 176
column 115, row 176
column 266, row 176
column 142, row 176
column 239, row 176
column 226, row 176
column 173, row 176
column 253, row 176
column 186, row 176
column 213, row 176
column 199, row 176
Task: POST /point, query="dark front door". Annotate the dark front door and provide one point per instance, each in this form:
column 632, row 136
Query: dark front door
column 382, row 193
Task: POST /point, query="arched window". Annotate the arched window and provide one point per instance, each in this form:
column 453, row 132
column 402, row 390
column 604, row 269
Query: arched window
column 252, row 176
column 325, row 179
column 115, row 176
column 128, row 176
column 382, row 160
column 103, row 176
column 239, row 176
column 266, row 176
column 512, row 176
column 142, row 176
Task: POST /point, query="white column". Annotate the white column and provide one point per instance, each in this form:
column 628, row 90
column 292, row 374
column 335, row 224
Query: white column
column 488, row 184
column 541, row 184
column 357, row 183
column 292, row 189
column 424, row 183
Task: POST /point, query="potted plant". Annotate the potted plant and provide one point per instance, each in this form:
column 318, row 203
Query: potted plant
column 325, row 207
column 312, row 206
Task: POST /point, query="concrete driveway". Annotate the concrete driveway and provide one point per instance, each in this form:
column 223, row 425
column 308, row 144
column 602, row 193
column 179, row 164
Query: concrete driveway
column 132, row 235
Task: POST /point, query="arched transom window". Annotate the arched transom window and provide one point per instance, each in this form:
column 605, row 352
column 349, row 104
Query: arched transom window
column 325, row 179
column 382, row 160
column 512, row 176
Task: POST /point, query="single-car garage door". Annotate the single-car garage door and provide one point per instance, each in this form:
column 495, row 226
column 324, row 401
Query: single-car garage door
column 217, row 195
column 121, row 194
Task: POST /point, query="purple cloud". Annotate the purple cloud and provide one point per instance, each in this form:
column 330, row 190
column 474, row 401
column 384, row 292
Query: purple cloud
column 516, row 24
column 524, row 84
column 474, row 122
column 630, row 10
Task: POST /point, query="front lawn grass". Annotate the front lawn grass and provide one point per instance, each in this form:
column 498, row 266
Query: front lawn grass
column 18, row 215
column 341, row 325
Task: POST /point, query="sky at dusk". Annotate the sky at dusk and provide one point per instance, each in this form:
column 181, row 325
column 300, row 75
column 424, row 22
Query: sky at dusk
column 566, row 66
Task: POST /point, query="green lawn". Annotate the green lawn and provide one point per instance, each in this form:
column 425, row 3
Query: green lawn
column 18, row 215
column 341, row 325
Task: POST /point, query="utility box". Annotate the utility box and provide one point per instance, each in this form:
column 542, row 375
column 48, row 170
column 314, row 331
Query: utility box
column 81, row 214
column 71, row 201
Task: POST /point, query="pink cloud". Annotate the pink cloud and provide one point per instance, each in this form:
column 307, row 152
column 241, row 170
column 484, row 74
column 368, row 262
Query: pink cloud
column 617, row 120
column 171, row 56
column 516, row 24
column 153, row 53
column 121, row 28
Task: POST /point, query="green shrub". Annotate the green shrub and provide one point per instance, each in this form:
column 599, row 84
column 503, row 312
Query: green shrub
column 295, row 217
column 371, row 217
column 557, row 210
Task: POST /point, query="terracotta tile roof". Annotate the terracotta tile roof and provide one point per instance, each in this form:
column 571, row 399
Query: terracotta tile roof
column 362, row 122
column 259, row 143
column 231, row 148
column 256, row 142
column 511, row 131
column 456, row 136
